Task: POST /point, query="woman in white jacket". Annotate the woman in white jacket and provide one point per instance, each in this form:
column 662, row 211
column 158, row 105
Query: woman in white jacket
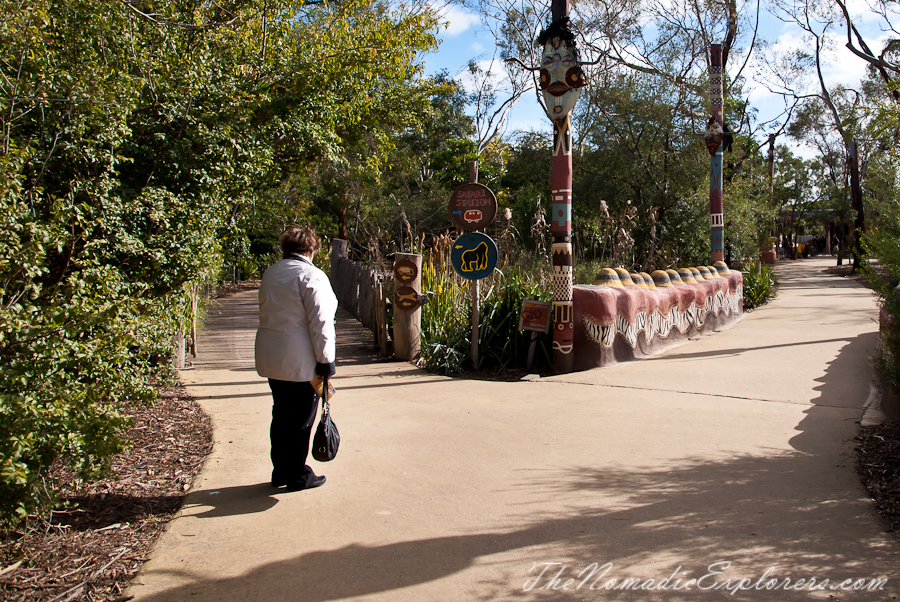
column 294, row 343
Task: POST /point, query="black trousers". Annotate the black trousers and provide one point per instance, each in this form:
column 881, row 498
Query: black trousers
column 293, row 415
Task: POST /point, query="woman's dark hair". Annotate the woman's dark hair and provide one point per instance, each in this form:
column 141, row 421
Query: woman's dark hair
column 299, row 240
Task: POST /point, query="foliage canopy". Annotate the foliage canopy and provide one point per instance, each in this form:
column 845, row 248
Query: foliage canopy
column 133, row 139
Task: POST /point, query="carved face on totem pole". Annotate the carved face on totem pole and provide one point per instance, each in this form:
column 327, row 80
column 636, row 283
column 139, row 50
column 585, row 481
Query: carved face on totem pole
column 561, row 77
column 714, row 135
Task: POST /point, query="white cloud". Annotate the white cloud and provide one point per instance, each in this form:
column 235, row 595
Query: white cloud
column 493, row 76
column 476, row 48
column 458, row 20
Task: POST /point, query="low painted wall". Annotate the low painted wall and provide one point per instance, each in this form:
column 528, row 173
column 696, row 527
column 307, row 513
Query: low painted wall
column 631, row 316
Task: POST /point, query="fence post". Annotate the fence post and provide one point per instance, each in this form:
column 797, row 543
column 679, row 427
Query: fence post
column 379, row 310
column 338, row 251
column 407, row 324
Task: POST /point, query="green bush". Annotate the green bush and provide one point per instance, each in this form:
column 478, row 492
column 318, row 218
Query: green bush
column 444, row 358
column 130, row 146
column 446, row 319
column 883, row 243
column 500, row 342
column 760, row 285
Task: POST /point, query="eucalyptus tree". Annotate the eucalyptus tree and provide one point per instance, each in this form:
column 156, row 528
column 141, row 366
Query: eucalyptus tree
column 831, row 110
column 643, row 156
column 640, row 119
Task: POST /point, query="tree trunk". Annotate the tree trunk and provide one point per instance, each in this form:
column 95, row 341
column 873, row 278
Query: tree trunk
column 856, row 203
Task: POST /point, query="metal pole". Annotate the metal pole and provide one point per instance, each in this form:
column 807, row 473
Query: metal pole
column 529, row 364
column 856, row 202
column 770, row 168
column 473, row 349
column 716, row 216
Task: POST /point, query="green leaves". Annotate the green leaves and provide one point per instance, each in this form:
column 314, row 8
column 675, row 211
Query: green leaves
column 760, row 285
column 132, row 137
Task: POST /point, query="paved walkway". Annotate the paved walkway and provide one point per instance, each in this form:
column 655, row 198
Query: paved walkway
column 732, row 454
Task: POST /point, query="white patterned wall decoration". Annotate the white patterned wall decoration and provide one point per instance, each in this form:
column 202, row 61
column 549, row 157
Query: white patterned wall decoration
column 659, row 325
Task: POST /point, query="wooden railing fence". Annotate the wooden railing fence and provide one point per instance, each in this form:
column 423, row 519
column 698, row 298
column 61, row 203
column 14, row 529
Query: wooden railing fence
column 361, row 291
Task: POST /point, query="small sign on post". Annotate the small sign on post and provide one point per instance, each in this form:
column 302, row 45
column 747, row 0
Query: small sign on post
column 407, row 298
column 405, row 271
column 473, row 207
column 535, row 316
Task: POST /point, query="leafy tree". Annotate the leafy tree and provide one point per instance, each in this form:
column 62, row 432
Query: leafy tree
column 134, row 138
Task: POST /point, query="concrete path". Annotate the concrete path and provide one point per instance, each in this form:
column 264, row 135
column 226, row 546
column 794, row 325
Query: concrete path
column 729, row 457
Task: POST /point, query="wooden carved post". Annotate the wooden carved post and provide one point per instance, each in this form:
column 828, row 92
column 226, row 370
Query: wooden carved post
column 561, row 80
column 407, row 322
column 716, row 215
column 561, row 229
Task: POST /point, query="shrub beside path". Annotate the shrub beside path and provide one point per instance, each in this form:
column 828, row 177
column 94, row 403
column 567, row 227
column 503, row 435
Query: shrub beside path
column 727, row 458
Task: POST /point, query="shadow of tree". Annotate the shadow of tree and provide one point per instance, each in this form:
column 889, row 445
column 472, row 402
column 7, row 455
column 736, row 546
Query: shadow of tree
column 701, row 513
column 800, row 513
column 100, row 510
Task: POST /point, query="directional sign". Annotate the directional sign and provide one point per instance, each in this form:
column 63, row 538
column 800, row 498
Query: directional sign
column 472, row 206
column 406, row 297
column 474, row 255
column 405, row 271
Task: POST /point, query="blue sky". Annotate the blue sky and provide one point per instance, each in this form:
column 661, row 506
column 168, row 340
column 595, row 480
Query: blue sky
column 464, row 39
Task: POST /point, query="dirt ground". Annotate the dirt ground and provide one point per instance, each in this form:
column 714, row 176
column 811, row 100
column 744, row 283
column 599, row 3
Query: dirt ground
column 99, row 535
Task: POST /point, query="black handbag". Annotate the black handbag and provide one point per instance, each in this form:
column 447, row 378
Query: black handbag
column 327, row 439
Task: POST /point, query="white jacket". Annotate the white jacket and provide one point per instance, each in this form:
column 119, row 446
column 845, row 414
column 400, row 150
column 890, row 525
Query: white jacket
column 296, row 321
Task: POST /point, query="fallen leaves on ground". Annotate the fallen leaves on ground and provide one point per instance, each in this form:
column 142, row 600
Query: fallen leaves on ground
column 96, row 540
column 878, row 465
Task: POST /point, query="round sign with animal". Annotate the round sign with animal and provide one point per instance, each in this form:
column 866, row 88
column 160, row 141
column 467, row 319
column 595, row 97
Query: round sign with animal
column 405, row 271
column 474, row 255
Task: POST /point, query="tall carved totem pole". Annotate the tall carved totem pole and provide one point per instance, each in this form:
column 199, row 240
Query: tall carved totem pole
column 717, row 124
column 561, row 80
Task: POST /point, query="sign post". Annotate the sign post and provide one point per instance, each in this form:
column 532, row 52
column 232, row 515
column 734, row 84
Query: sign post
column 535, row 317
column 473, row 207
column 407, row 310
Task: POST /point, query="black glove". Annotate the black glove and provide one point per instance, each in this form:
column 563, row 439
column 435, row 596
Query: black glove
column 325, row 369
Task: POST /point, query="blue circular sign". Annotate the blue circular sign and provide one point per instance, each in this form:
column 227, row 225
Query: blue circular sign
column 474, row 255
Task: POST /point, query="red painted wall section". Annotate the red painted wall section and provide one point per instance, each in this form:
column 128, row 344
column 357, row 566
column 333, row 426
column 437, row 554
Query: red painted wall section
column 614, row 324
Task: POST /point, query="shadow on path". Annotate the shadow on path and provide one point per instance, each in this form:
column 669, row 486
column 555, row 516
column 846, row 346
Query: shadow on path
column 706, row 511
column 231, row 501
